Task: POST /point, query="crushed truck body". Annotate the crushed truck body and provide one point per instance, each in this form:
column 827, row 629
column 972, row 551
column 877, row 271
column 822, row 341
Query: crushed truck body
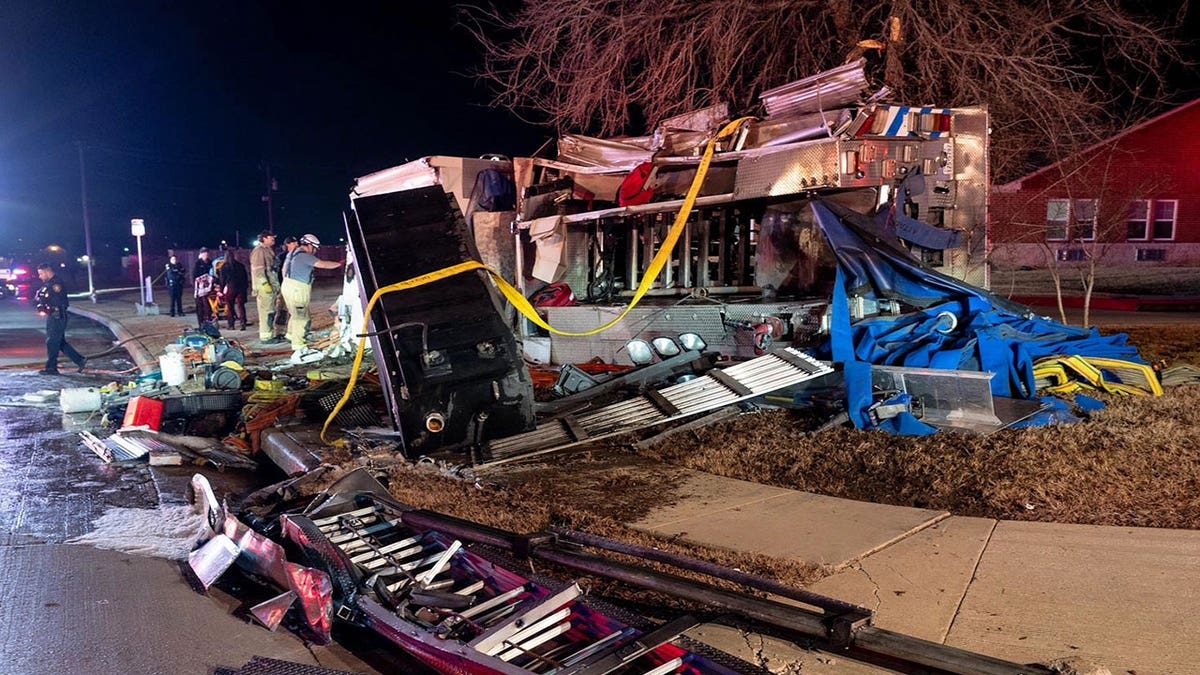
column 749, row 236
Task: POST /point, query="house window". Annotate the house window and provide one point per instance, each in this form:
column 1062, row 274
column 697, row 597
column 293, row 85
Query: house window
column 1151, row 254
column 932, row 257
column 1084, row 228
column 1164, row 219
column 1058, row 214
column 1138, row 221
column 1060, row 221
column 1071, row 255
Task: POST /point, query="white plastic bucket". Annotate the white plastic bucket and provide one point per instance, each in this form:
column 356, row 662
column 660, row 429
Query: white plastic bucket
column 173, row 372
column 80, row 399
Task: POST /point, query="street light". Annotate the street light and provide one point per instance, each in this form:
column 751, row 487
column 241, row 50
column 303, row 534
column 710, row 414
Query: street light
column 138, row 226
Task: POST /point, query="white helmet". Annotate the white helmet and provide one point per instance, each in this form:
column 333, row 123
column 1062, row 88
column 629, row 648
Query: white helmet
column 310, row 240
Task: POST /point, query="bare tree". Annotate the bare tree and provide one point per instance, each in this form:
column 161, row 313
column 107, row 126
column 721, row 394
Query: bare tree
column 608, row 66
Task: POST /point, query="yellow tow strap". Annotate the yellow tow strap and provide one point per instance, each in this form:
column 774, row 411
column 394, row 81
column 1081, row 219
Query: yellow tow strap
column 518, row 300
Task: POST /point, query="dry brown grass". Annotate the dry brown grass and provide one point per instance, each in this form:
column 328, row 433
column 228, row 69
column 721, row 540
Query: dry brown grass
column 1136, row 463
column 1174, row 344
column 1163, row 281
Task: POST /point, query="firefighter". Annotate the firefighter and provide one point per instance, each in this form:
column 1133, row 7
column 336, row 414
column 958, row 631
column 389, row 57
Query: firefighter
column 281, row 314
column 52, row 303
column 297, row 289
column 264, row 286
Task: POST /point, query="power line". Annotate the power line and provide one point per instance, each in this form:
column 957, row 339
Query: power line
column 225, row 162
column 180, row 188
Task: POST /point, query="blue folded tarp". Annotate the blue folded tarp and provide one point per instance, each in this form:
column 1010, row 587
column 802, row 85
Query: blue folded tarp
column 986, row 332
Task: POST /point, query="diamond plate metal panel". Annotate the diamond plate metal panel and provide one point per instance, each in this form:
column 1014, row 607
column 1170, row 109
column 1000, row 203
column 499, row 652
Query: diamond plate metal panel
column 970, row 205
column 788, row 171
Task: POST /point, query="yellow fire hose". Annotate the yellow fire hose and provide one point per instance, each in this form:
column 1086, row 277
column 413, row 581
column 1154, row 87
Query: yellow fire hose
column 518, row 301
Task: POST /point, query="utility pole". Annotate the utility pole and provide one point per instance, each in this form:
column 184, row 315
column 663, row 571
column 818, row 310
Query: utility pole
column 87, row 229
column 271, row 188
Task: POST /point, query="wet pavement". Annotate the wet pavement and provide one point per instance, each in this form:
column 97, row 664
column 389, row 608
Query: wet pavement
column 51, row 488
column 70, row 608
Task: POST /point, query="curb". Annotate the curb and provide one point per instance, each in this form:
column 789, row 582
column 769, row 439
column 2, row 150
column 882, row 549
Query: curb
column 145, row 361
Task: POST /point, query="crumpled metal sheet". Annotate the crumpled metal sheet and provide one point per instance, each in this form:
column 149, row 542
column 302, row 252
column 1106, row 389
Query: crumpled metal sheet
column 784, row 130
column 828, row 90
column 708, row 119
column 618, row 155
column 417, row 173
column 237, row 543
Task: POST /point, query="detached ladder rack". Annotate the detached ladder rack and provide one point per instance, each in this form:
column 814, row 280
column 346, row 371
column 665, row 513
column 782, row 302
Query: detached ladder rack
column 717, row 389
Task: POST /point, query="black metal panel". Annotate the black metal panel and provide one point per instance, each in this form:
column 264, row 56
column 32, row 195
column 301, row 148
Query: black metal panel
column 442, row 348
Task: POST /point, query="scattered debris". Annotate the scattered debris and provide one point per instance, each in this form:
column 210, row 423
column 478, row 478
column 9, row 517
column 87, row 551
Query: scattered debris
column 452, row 593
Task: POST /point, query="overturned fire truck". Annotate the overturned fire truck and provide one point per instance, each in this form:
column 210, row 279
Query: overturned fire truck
column 582, row 235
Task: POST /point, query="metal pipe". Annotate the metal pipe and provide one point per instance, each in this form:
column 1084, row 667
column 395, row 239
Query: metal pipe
column 711, row 569
column 936, row 655
column 767, row 611
column 461, row 529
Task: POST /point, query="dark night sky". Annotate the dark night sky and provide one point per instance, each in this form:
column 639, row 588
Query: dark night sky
column 179, row 104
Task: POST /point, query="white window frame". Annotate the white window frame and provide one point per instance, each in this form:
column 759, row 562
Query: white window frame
column 1063, row 224
column 1058, row 228
column 1153, row 223
column 1144, row 205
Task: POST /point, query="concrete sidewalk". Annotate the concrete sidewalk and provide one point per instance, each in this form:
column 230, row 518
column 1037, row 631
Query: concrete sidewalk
column 1022, row 591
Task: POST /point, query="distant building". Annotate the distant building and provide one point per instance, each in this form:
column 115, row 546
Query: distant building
column 1130, row 201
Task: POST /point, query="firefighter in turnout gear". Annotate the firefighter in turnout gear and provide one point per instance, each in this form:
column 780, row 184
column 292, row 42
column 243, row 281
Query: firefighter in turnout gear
column 52, row 303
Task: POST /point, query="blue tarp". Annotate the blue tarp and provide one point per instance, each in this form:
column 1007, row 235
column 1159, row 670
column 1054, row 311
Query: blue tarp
column 990, row 333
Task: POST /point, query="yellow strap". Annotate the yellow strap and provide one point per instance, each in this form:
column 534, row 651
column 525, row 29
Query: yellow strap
column 518, row 300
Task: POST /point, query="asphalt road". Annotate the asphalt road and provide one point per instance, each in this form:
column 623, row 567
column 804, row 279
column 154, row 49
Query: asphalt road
column 73, row 608
column 50, row 489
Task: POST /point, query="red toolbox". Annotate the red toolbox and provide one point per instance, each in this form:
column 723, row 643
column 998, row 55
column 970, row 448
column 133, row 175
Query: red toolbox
column 143, row 411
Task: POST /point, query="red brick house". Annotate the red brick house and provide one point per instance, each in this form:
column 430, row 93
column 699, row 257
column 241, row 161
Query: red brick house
column 1130, row 201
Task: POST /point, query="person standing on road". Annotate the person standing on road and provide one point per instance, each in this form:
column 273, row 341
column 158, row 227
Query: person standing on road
column 234, row 284
column 298, row 273
column 281, row 314
column 175, row 278
column 264, row 286
column 52, row 303
column 202, row 286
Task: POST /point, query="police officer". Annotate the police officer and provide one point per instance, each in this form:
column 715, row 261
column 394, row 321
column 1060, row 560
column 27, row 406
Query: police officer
column 52, row 303
column 176, row 276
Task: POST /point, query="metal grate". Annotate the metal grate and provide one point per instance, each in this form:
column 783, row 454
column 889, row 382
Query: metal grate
column 717, row 389
column 260, row 665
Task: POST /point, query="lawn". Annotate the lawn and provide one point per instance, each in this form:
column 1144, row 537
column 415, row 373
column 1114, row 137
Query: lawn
column 1135, row 463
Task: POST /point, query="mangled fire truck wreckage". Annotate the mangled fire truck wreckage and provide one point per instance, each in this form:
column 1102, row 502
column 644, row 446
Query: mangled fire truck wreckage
column 828, row 253
column 836, row 226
